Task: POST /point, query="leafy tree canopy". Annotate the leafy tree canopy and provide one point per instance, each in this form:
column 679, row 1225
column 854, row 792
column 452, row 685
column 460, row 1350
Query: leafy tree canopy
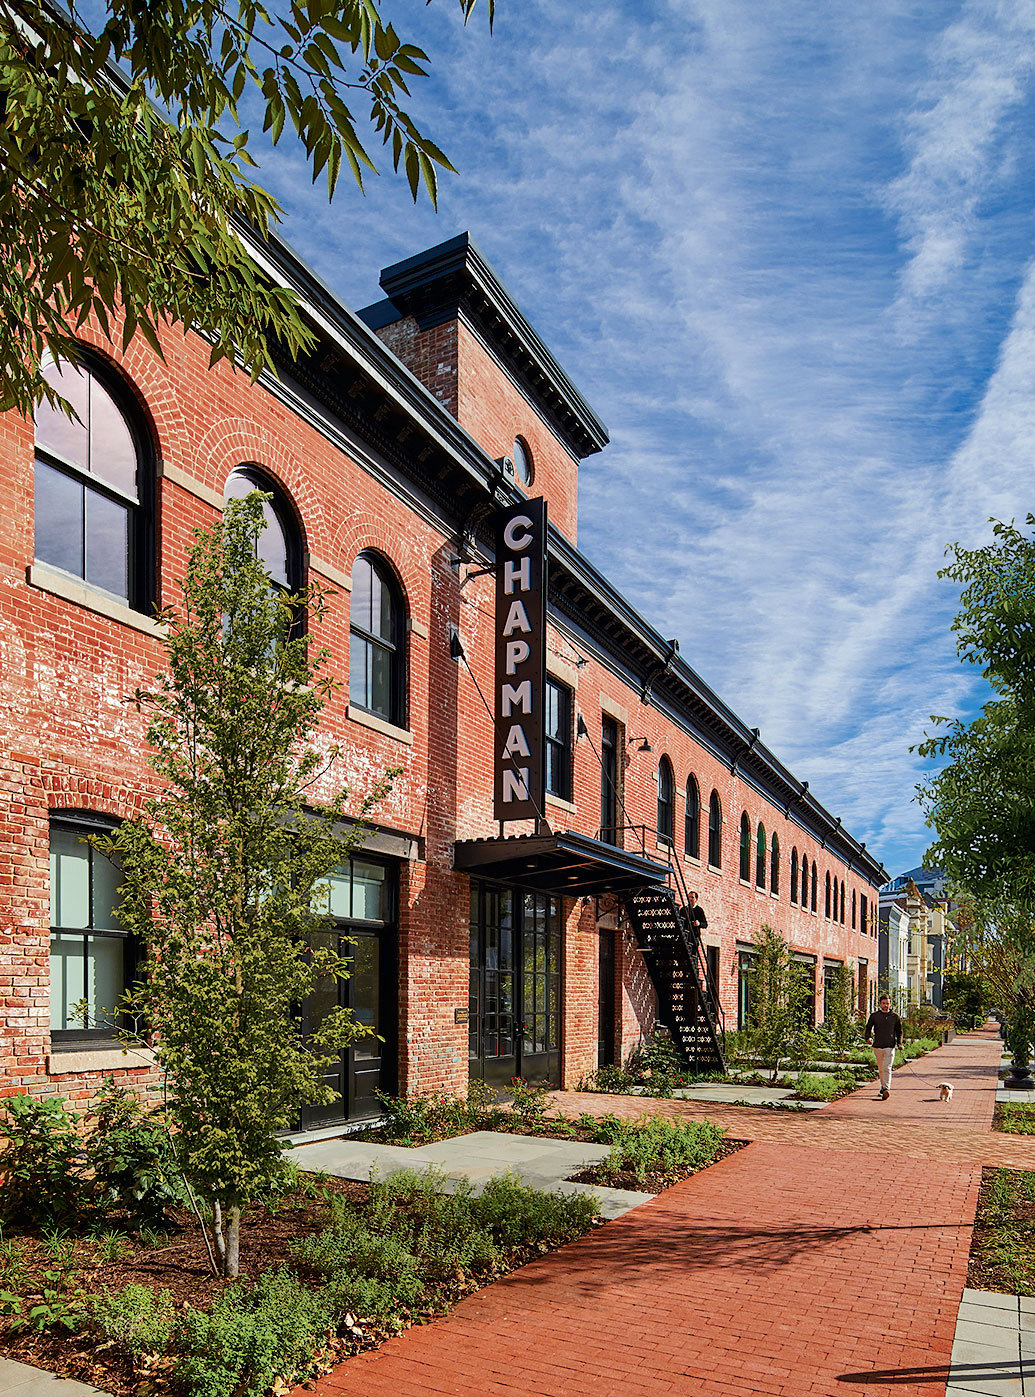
column 981, row 805
column 112, row 208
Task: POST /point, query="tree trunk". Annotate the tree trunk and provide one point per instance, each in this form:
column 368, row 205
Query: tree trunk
column 217, row 1233
column 233, row 1241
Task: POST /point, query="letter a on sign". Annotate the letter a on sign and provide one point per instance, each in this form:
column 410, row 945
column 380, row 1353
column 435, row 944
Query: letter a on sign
column 520, row 662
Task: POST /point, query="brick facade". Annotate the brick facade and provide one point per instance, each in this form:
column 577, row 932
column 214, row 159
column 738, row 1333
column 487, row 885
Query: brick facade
column 374, row 474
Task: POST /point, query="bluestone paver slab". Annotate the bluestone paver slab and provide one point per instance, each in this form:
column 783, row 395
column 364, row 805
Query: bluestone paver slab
column 22, row 1380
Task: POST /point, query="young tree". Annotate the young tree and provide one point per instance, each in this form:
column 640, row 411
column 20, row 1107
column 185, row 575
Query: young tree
column 777, row 999
column 111, row 208
column 981, row 805
column 224, row 876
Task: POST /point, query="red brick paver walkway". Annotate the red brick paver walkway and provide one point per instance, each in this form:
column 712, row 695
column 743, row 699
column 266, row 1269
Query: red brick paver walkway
column 825, row 1258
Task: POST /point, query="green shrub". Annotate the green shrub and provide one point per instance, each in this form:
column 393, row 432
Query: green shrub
column 615, row 1081
column 136, row 1319
column 1015, row 1117
column 529, row 1102
column 653, row 1145
column 518, row 1216
column 415, row 1120
column 44, row 1181
column 131, row 1158
column 812, row 1088
column 252, row 1337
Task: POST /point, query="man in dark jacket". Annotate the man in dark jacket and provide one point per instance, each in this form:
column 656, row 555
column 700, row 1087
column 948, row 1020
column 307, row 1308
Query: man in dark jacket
column 695, row 914
column 884, row 1032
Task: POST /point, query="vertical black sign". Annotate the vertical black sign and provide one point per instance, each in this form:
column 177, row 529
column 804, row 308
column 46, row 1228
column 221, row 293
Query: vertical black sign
column 519, row 758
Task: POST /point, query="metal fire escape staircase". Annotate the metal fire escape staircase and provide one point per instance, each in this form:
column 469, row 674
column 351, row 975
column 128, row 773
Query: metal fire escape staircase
column 675, row 961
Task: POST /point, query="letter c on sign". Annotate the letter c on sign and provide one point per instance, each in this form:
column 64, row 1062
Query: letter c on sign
column 515, row 541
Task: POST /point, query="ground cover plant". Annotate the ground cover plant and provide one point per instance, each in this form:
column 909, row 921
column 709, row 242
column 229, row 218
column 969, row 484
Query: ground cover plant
column 651, row 1153
column 1002, row 1249
column 810, row 1087
column 328, row 1268
column 1014, row 1118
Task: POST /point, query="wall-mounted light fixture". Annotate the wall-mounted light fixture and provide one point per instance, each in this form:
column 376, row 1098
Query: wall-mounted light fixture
column 644, row 745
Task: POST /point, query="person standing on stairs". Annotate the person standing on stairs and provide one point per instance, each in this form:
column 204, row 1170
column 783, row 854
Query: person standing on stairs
column 884, row 1033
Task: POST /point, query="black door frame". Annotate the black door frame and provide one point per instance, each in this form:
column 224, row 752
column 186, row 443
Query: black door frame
column 497, row 1008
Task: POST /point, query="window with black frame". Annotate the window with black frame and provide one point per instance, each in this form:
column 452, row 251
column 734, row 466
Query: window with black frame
column 666, row 802
column 558, row 740
column 94, row 485
column 774, row 864
column 714, row 831
column 745, row 848
column 279, row 545
column 760, row 857
column 609, row 780
column 376, row 650
column 91, row 956
column 692, row 830
column 794, row 876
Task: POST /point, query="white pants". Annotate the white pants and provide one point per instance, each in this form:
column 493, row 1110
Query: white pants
column 885, row 1062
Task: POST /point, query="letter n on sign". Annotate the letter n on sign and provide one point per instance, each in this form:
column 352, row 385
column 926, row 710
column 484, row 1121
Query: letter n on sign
column 518, row 759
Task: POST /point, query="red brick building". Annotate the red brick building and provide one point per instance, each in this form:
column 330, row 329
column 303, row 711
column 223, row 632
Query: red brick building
column 389, row 451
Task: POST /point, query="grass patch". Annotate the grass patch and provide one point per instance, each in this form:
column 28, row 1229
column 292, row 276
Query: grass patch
column 1002, row 1251
column 809, row 1087
column 1014, row 1117
column 651, row 1154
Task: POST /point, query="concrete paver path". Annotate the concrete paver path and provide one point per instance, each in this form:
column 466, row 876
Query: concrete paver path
column 827, row 1257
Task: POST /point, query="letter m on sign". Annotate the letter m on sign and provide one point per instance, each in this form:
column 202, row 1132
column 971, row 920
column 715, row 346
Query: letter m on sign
column 520, row 689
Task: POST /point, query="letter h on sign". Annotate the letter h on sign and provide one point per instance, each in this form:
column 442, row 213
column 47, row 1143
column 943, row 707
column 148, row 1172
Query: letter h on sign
column 519, row 756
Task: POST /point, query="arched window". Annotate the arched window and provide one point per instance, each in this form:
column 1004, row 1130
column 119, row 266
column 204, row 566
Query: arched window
column 794, row 875
column 815, row 885
column 826, row 899
column 376, row 651
column 804, row 882
column 774, row 865
column 854, row 912
column 760, row 852
column 692, row 830
column 666, row 801
column 279, row 546
column 94, row 485
column 842, row 917
column 745, row 848
column 715, row 831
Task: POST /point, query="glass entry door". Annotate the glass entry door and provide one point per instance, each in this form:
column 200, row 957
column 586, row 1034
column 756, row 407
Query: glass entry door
column 515, row 985
column 361, row 901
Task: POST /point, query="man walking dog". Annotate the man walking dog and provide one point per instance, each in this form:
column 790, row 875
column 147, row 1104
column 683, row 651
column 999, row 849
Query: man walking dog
column 884, row 1032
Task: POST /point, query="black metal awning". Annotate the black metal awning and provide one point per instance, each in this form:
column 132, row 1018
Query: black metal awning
column 565, row 864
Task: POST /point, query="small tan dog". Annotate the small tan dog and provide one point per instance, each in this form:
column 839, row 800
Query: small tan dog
column 944, row 1091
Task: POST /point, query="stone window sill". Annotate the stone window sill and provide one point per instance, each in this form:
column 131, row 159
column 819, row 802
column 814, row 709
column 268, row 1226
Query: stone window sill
column 376, row 724
column 97, row 1060
column 73, row 589
column 561, row 803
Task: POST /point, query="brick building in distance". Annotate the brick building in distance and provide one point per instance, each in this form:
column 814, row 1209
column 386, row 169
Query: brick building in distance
column 542, row 947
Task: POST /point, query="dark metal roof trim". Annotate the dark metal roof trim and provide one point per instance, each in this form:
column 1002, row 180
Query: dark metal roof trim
column 456, row 277
column 565, row 864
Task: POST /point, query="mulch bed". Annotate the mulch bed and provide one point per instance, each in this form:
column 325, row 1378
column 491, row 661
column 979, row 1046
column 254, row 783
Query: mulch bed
column 1002, row 1249
column 656, row 1182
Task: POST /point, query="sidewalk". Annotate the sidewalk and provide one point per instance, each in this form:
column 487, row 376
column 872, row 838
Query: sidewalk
column 827, row 1257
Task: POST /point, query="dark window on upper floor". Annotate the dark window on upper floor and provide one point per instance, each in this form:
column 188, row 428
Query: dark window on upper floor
column 774, row 865
column 94, row 485
column 760, row 853
column 826, row 899
column 558, row 740
column 815, row 885
column 794, row 875
column 609, row 748
column 745, row 848
column 692, row 827
column 715, row 830
column 377, row 626
column 666, row 802
column 854, row 911
column 842, row 916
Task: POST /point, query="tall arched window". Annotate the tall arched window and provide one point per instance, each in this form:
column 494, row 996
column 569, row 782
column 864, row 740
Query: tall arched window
column 760, row 852
column 715, row 831
column 666, row 801
column 854, row 911
column 692, row 830
column 804, row 882
column 842, row 917
column 815, row 884
column 826, row 899
column 279, row 546
column 94, row 485
column 774, row 864
column 376, row 651
column 745, row 848
column 794, row 875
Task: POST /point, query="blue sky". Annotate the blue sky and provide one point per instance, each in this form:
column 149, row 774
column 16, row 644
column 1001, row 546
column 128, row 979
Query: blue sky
column 784, row 248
